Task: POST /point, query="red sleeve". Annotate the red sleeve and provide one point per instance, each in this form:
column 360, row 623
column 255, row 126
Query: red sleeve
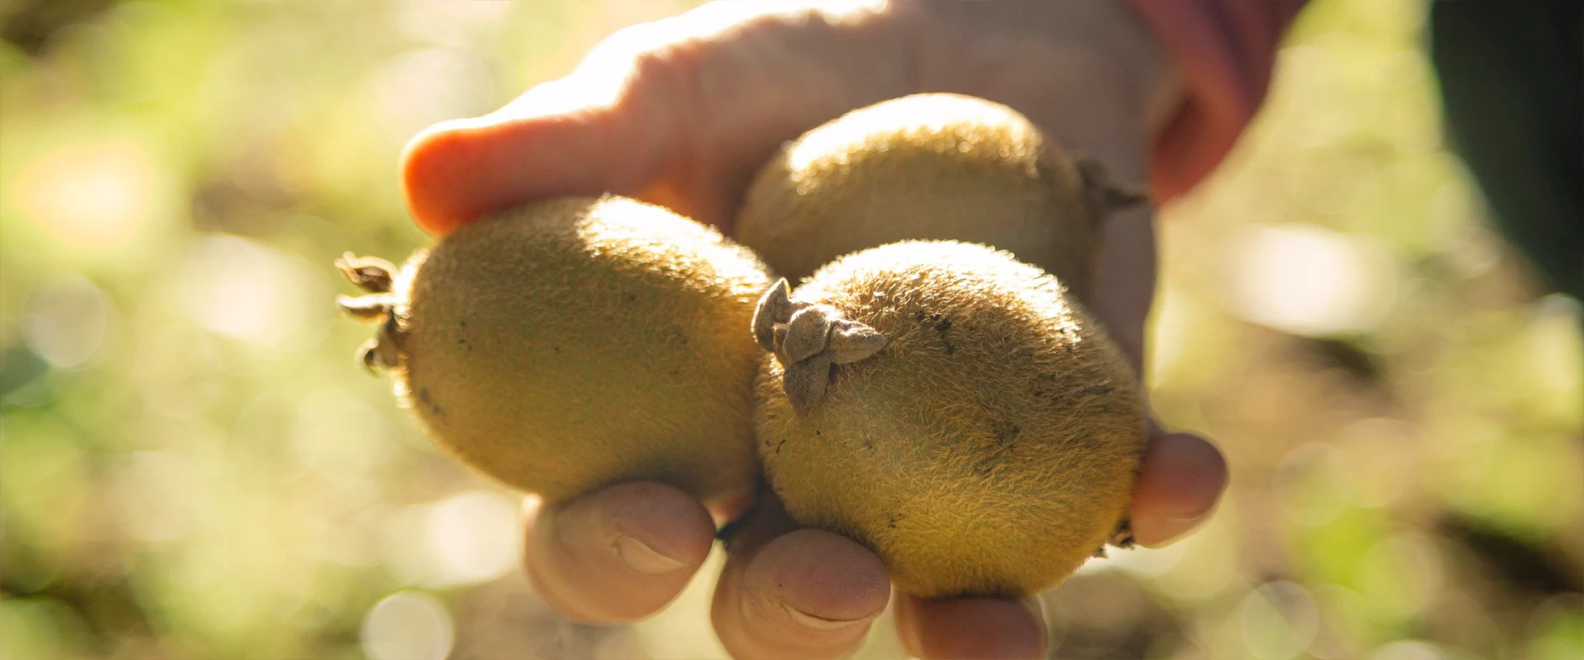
column 1225, row 50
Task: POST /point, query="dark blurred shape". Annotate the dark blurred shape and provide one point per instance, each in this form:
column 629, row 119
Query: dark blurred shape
column 1512, row 81
column 1346, row 354
column 228, row 206
column 107, row 603
column 30, row 23
column 1108, row 616
column 1522, row 565
column 18, row 367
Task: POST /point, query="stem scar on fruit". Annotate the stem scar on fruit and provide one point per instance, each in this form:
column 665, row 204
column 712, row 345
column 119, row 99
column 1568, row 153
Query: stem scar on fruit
column 808, row 340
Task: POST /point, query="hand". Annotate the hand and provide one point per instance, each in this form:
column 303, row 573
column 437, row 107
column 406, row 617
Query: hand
column 681, row 112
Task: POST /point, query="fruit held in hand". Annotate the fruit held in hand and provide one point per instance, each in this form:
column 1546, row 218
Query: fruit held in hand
column 929, row 166
column 572, row 344
column 952, row 409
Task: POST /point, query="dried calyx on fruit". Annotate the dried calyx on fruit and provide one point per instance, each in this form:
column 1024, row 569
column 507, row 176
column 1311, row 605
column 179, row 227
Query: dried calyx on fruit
column 808, row 340
column 377, row 277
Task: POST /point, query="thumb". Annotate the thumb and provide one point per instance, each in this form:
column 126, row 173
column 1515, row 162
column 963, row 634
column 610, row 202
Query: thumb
column 1180, row 482
column 605, row 128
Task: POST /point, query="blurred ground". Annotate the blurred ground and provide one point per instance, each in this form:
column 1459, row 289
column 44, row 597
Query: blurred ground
column 192, row 466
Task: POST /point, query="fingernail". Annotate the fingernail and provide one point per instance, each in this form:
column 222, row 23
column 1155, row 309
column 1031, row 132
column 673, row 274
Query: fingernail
column 1190, row 521
column 1036, row 606
column 820, row 623
column 1171, row 530
column 640, row 557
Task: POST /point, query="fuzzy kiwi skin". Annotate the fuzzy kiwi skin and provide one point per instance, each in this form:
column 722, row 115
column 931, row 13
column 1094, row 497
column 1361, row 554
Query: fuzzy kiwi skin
column 928, row 166
column 987, row 450
column 577, row 343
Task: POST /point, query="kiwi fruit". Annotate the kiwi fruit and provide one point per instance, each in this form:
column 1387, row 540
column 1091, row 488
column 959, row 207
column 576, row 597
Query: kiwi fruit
column 575, row 343
column 953, row 409
column 929, row 166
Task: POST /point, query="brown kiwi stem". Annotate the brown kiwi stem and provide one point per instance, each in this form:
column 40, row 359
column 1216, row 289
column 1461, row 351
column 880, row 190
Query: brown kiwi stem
column 369, row 355
column 774, row 306
column 372, row 274
column 1105, row 196
column 384, row 350
column 377, row 277
column 808, row 340
column 1123, row 536
column 372, row 307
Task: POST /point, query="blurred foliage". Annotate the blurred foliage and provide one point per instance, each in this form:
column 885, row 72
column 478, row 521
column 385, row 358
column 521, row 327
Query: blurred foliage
column 192, row 466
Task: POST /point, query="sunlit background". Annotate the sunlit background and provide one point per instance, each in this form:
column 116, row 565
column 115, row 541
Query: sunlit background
column 193, row 466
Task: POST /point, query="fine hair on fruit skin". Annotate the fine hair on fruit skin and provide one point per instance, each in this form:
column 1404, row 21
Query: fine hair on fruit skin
column 572, row 344
column 988, row 448
column 930, row 166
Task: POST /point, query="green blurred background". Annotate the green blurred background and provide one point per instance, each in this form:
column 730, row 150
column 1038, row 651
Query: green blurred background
column 193, row 466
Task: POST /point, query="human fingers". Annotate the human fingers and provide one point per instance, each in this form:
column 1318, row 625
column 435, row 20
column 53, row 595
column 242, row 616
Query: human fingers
column 970, row 628
column 796, row 593
column 680, row 112
column 1180, row 481
column 1182, row 476
column 553, row 141
column 618, row 554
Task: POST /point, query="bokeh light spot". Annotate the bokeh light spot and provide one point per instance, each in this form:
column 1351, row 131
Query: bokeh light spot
column 67, row 320
column 468, row 538
column 474, row 537
column 1408, row 650
column 1279, row 621
column 1402, row 575
column 1311, row 484
column 248, row 291
column 1310, row 281
column 407, row 626
column 88, row 196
